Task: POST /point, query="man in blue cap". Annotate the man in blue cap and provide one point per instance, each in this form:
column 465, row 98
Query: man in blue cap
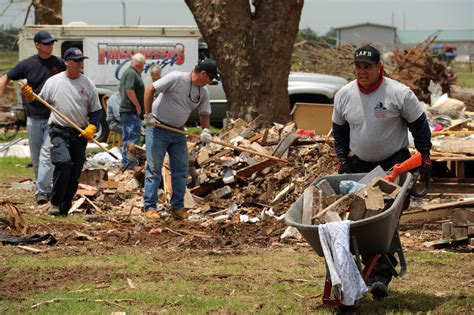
column 36, row 70
column 75, row 96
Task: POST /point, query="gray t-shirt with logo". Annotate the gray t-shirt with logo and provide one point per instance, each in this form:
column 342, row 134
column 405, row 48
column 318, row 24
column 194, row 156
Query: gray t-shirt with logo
column 378, row 121
column 75, row 98
column 178, row 98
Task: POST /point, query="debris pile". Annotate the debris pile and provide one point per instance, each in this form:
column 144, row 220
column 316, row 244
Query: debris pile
column 416, row 67
column 356, row 200
column 252, row 184
column 320, row 57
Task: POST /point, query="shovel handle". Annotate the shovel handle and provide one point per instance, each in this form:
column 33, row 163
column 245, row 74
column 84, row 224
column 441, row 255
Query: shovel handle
column 70, row 122
column 224, row 144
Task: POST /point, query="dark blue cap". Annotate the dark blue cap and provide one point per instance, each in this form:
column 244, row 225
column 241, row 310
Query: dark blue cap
column 210, row 66
column 44, row 37
column 73, row 53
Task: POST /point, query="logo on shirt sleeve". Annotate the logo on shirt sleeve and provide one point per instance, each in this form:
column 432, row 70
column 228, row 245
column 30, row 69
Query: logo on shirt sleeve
column 380, row 110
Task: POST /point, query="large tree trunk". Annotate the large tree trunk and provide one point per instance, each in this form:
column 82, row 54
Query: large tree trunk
column 252, row 44
column 48, row 11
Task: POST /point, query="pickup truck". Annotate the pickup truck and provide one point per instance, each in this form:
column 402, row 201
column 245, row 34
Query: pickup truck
column 110, row 47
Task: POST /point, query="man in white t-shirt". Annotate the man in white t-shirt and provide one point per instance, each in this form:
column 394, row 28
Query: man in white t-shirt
column 371, row 119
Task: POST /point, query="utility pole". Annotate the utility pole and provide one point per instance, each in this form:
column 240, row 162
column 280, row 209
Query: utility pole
column 124, row 13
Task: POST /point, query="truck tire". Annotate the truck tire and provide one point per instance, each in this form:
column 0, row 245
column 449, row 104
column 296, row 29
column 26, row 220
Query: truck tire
column 103, row 130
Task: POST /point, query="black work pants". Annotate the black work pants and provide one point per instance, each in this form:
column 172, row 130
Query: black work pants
column 382, row 271
column 359, row 166
column 67, row 155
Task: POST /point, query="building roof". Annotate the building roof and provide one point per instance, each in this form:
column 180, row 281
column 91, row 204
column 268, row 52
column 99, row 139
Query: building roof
column 413, row 37
column 365, row 24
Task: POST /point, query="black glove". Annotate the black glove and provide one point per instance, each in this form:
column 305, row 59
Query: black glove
column 343, row 167
column 425, row 167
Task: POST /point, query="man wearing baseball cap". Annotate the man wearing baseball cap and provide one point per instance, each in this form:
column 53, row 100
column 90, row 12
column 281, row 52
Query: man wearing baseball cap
column 75, row 96
column 371, row 119
column 180, row 94
column 36, row 70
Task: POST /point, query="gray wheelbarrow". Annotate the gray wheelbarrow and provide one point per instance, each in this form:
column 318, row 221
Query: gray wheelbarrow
column 371, row 237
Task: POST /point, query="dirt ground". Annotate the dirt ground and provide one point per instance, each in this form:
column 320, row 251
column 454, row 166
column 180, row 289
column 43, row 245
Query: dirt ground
column 109, row 232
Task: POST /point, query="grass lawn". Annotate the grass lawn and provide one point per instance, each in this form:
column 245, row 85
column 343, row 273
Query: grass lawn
column 14, row 168
column 465, row 74
column 466, row 79
column 150, row 281
column 8, row 60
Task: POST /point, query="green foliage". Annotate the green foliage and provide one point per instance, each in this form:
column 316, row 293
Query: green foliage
column 311, row 35
column 8, row 38
column 8, row 60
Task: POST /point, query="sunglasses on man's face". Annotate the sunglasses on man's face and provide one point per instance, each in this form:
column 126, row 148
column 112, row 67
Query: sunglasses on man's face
column 48, row 44
column 210, row 76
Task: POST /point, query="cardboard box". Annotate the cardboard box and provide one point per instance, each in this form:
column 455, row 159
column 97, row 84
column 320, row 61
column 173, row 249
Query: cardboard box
column 312, row 116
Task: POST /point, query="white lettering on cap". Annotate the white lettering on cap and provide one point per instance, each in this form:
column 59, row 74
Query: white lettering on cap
column 364, row 53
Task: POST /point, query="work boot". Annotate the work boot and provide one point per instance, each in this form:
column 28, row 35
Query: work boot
column 152, row 215
column 379, row 290
column 180, row 214
column 54, row 211
column 41, row 199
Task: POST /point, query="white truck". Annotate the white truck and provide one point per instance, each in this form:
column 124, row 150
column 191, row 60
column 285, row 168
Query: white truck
column 110, row 48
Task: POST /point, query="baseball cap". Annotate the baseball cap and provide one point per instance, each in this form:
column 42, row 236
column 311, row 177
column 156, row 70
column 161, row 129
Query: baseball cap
column 367, row 54
column 210, row 66
column 44, row 37
column 73, row 53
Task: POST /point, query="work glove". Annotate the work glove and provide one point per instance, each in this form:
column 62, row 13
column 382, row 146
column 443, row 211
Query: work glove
column 28, row 93
column 149, row 120
column 89, row 132
column 205, row 136
column 343, row 167
column 425, row 167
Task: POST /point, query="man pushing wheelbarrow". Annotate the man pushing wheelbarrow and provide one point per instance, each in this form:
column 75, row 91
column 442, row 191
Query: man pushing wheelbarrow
column 371, row 119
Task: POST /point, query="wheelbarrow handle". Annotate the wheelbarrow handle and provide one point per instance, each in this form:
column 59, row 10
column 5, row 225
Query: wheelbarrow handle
column 426, row 180
column 413, row 162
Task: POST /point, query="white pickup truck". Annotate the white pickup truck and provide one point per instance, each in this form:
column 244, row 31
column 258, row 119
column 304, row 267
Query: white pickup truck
column 110, row 48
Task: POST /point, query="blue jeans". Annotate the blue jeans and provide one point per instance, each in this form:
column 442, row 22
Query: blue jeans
column 131, row 130
column 158, row 142
column 40, row 146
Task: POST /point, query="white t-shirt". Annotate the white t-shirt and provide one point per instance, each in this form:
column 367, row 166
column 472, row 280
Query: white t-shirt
column 75, row 98
column 178, row 98
column 377, row 121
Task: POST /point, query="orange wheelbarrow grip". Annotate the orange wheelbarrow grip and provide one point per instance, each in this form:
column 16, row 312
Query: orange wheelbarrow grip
column 413, row 162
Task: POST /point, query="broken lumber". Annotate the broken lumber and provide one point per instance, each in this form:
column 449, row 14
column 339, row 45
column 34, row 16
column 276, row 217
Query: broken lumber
column 307, row 205
column 336, row 206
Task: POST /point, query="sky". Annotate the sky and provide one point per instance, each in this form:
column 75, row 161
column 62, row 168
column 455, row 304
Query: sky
column 319, row 15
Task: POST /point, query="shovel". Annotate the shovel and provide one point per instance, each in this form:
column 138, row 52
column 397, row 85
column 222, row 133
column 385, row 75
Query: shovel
column 271, row 157
column 70, row 122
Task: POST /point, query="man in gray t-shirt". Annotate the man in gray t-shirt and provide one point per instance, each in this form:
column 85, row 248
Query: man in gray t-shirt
column 180, row 93
column 371, row 118
column 75, row 96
